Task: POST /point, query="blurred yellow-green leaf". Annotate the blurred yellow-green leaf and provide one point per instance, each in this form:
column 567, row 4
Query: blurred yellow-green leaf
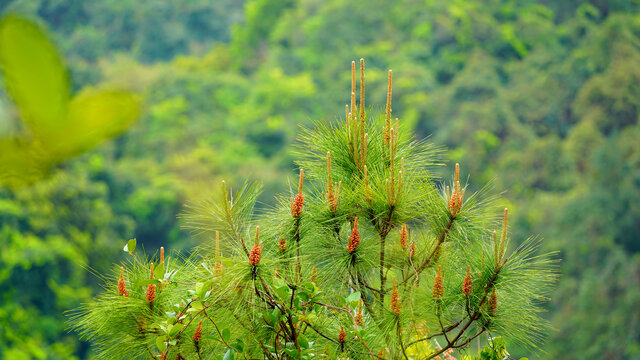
column 97, row 115
column 54, row 127
column 34, row 74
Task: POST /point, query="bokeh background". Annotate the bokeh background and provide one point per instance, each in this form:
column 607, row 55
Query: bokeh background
column 539, row 98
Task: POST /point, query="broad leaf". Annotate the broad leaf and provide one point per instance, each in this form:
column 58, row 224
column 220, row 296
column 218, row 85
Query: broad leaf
column 353, row 298
column 229, row 355
column 160, row 343
column 226, row 334
column 35, row 76
column 131, row 246
column 95, row 116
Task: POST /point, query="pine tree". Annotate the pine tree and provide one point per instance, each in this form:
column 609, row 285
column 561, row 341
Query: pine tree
column 369, row 258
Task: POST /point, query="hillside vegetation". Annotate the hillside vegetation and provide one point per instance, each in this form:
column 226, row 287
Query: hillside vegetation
column 542, row 98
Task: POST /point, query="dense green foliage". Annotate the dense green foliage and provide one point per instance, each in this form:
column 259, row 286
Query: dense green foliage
column 373, row 262
column 540, row 96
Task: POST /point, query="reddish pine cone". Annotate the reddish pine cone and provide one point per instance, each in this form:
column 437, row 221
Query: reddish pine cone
column 282, row 244
column 296, row 205
column 403, row 237
column 342, row 335
column 412, row 250
column 396, row 306
column 438, row 290
column 122, row 287
column 493, row 303
column 197, row 335
column 359, row 319
column 254, row 256
column 354, row 239
column 151, row 293
column 466, row 285
column 333, row 202
column 298, row 201
column 453, row 202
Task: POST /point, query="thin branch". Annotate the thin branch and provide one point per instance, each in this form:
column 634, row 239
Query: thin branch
column 426, row 261
column 355, row 324
column 218, row 330
column 475, row 316
column 320, row 333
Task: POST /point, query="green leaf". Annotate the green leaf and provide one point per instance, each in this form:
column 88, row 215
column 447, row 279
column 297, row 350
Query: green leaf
column 196, row 306
column 291, row 352
column 160, row 343
column 310, row 288
column 278, row 282
column 95, row 116
column 275, row 313
column 353, row 298
column 199, row 287
column 238, row 345
column 229, row 355
column 57, row 125
column 282, row 289
column 202, row 288
column 20, row 163
column 131, row 246
column 175, row 329
column 226, row 334
column 303, row 342
column 35, row 76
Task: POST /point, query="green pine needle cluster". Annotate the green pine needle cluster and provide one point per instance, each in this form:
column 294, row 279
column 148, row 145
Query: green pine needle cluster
column 329, row 272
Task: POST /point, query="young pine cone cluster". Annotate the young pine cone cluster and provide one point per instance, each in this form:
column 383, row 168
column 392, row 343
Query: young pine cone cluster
column 354, row 239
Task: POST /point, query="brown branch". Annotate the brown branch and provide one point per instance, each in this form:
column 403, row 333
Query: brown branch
column 444, row 333
column 319, row 333
column 447, row 329
column 476, row 315
column 265, row 351
column 218, row 330
column 355, row 324
column 297, row 238
column 404, row 352
column 469, row 339
column 366, row 301
column 426, row 261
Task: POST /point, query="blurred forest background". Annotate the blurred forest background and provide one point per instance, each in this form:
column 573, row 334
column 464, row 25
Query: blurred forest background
column 541, row 98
